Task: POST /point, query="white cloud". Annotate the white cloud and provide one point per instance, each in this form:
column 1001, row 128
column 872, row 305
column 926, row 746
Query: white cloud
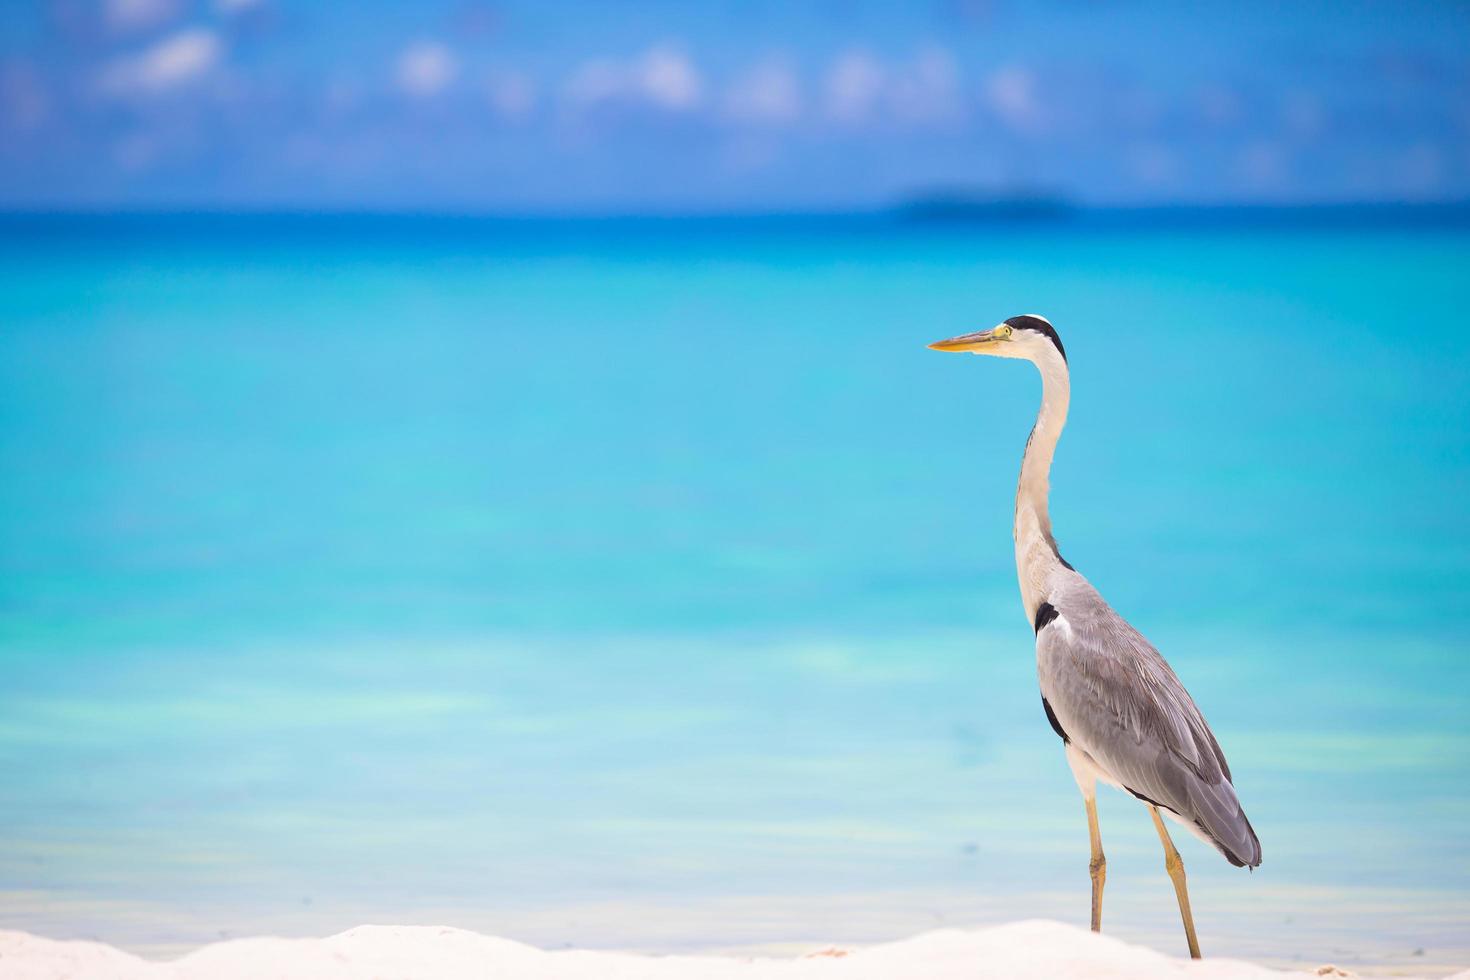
column 920, row 92
column 511, row 94
column 1011, row 94
column 134, row 15
column 425, row 68
column 167, row 65
column 927, row 91
column 668, row 78
column 767, row 93
column 662, row 76
column 854, row 85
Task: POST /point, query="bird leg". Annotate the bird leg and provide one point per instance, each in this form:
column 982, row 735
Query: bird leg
column 1098, row 868
column 1175, row 866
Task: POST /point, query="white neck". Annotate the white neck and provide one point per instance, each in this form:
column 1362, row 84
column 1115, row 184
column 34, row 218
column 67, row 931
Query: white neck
column 1036, row 550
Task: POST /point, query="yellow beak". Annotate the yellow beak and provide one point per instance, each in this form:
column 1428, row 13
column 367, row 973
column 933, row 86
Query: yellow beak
column 966, row 342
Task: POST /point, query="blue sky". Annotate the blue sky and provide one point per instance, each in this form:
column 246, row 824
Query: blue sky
column 757, row 105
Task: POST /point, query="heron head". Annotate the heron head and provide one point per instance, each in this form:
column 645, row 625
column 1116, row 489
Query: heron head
column 1028, row 336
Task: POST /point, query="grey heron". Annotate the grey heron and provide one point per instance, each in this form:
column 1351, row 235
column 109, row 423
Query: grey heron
column 1122, row 714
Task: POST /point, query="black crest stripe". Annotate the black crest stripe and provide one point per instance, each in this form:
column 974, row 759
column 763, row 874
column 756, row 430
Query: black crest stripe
column 1040, row 326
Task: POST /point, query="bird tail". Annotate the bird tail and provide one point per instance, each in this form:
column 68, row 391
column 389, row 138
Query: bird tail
column 1221, row 821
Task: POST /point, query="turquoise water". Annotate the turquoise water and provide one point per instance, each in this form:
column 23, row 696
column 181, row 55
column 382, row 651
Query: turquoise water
column 649, row 584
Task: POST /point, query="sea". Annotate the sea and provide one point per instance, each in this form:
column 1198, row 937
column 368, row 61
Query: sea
column 646, row 583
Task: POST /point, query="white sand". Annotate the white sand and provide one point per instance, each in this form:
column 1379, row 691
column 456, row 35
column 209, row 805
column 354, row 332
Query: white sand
column 1021, row 950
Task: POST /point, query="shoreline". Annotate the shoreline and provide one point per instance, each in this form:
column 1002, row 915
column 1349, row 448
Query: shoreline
column 1035, row 948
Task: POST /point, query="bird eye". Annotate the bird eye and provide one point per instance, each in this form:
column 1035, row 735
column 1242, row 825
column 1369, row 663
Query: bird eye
column 1003, row 332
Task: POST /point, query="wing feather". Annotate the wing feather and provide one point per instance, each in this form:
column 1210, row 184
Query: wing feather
column 1117, row 698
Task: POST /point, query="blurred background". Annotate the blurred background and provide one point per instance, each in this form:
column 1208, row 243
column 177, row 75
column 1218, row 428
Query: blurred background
column 478, row 464
column 521, row 107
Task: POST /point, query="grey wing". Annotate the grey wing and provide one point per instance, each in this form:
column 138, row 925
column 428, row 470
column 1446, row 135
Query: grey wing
column 1114, row 696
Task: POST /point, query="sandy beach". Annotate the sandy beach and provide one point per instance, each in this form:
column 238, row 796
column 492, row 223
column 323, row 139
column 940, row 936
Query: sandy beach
column 1018, row 951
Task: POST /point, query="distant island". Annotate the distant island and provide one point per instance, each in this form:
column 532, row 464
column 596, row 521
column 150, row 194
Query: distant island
column 962, row 206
